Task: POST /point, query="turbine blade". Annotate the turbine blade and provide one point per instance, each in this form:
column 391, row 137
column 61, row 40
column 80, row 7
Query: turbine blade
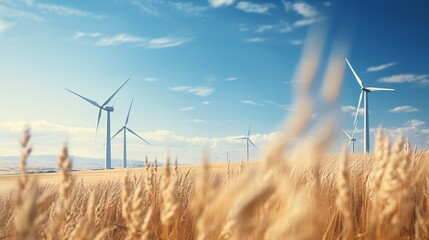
column 98, row 122
column 240, row 138
column 348, row 144
column 346, row 134
column 357, row 109
column 110, row 98
column 129, row 110
column 354, row 73
column 131, row 131
column 252, row 144
column 120, row 130
column 354, row 130
column 84, row 98
column 372, row 89
column 248, row 133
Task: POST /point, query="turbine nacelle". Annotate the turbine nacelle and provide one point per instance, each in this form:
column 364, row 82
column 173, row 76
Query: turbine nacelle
column 107, row 108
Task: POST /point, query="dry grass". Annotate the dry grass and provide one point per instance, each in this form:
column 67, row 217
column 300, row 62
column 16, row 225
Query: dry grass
column 295, row 191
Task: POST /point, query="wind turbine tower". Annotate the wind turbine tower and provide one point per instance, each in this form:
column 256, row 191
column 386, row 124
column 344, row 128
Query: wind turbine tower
column 247, row 138
column 108, row 109
column 352, row 138
column 365, row 91
column 125, row 128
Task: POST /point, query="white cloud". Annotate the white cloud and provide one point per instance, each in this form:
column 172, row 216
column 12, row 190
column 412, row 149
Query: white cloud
column 381, row 67
column 4, row 26
column 120, row 39
column 166, row 42
column 311, row 14
column 189, row 8
column 301, row 8
column 351, row 110
column 220, row 3
column 198, row 120
column 206, row 102
column 281, row 106
column 414, row 123
column 14, row 13
column 264, row 28
column 254, row 40
column 250, row 102
column 406, row 78
column 199, row 91
column 78, row 35
column 47, row 139
column 123, row 38
column 403, row 109
column 296, row 42
column 231, row 79
column 146, row 8
column 186, row 109
column 68, row 11
column 249, row 7
column 151, row 79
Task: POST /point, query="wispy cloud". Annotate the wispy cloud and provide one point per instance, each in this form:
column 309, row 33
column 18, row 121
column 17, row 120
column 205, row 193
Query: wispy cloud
column 145, row 7
column 296, row 42
column 121, row 39
column 78, row 35
column 406, row 78
column 250, row 102
column 165, row 42
column 189, row 8
column 381, row 67
column 151, row 79
column 199, row 91
column 4, row 26
column 255, row 40
column 186, row 109
column 15, row 13
column 281, row 106
column 198, row 120
column 249, row 7
column 351, row 110
column 68, row 11
column 309, row 13
column 403, row 109
column 231, row 79
column 301, row 8
column 264, row 28
column 220, row 3
column 414, row 123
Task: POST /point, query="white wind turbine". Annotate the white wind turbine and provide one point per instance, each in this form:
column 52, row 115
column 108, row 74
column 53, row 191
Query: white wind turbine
column 108, row 109
column 247, row 138
column 364, row 92
column 125, row 128
column 351, row 138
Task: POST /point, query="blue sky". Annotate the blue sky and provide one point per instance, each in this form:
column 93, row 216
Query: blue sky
column 201, row 71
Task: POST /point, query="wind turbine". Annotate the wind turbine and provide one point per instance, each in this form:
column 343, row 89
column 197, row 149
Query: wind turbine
column 352, row 138
column 247, row 138
column 364, row 92
column 108, row 109
column 125, row 128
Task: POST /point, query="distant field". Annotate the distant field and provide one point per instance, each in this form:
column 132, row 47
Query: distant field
column 9, row 182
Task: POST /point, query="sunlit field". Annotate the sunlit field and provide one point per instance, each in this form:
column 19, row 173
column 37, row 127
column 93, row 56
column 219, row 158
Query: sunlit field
column 304, row 196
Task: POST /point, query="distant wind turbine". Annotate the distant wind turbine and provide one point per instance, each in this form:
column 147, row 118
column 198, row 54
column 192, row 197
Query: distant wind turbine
column 125, row 128
column 364, row 92
column 108, row 109
column 352, row 138
column 247, row 141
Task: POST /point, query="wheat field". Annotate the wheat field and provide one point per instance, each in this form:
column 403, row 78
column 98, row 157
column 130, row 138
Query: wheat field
column 304, row 195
